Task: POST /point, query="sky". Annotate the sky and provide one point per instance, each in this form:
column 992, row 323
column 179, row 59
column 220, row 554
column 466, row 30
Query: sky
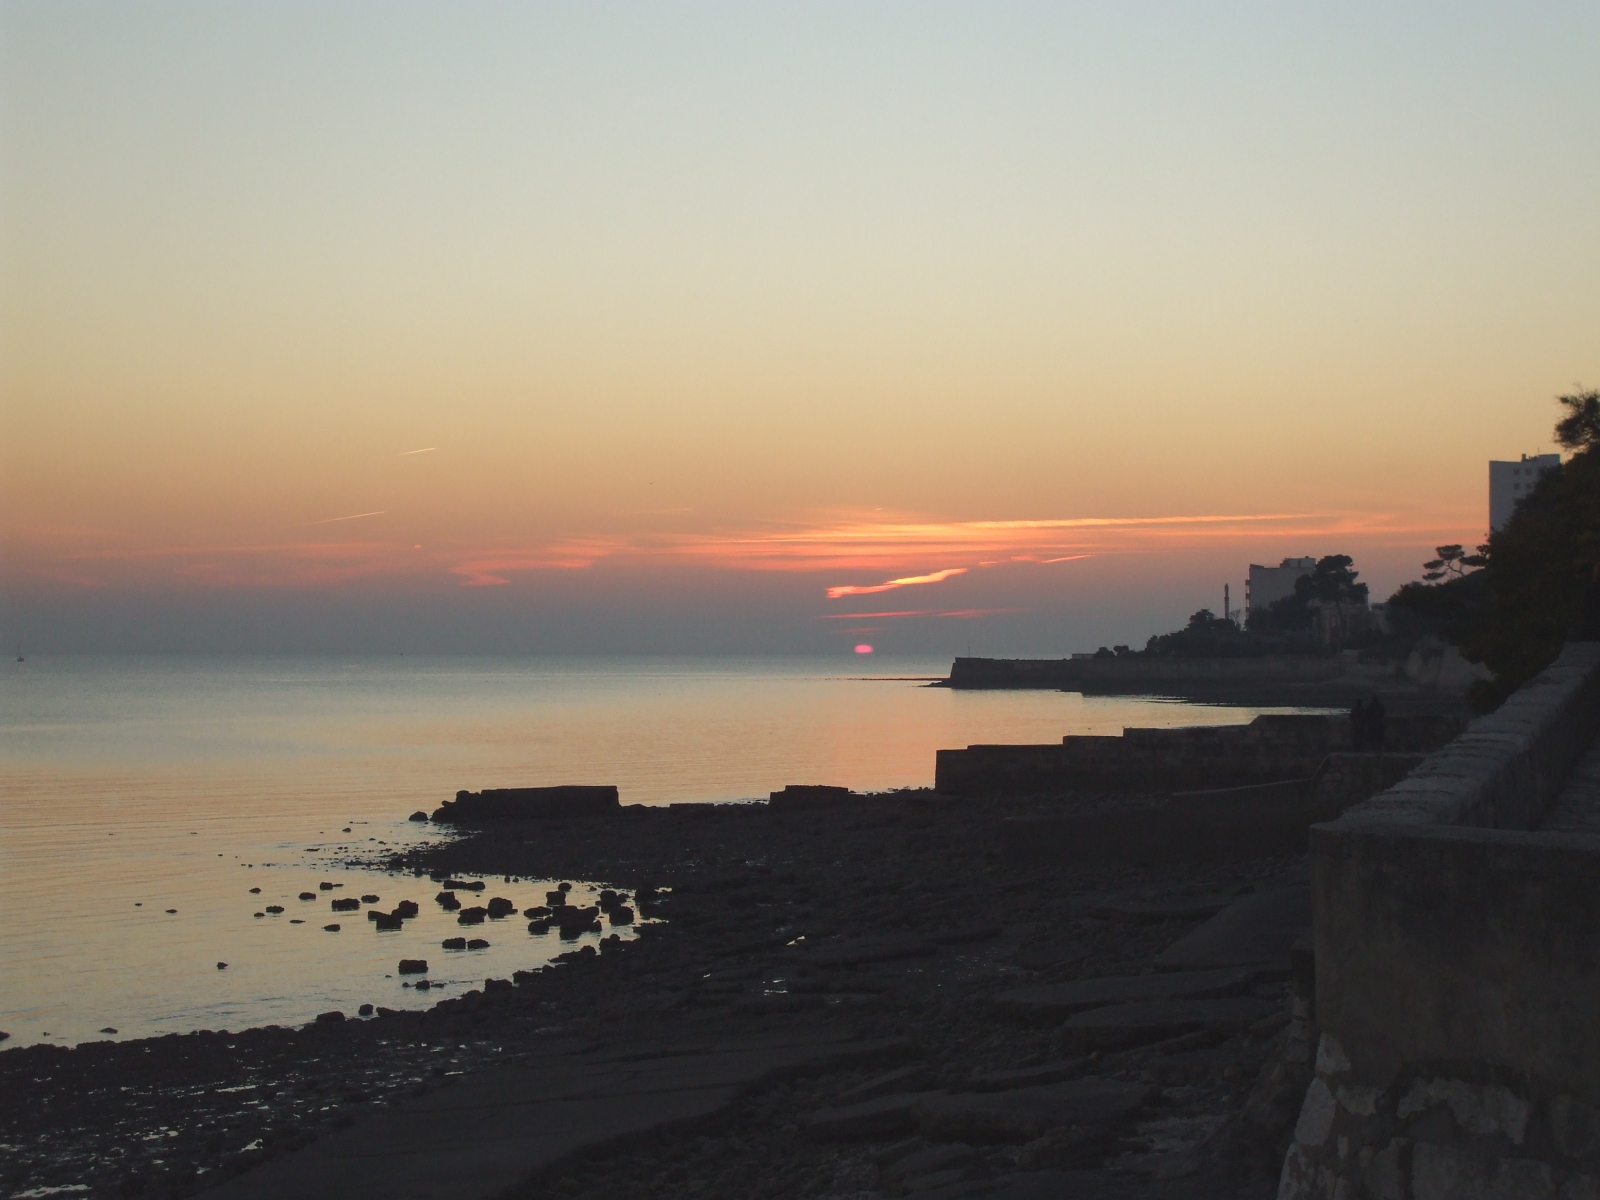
column 1005, row 328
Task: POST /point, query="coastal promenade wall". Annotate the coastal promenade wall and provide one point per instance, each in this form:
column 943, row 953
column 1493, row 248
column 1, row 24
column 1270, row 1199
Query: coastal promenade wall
column 1270, row 749
column 1457, row 961
column 1131, row 674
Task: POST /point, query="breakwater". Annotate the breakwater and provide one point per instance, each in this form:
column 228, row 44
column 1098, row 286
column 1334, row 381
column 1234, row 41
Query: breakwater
column 1133, row 674
column 1270, row 749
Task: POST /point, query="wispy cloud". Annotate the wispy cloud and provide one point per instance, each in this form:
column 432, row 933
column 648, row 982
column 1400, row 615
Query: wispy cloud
column 847, row 589
column 424, row 450
column 351, row 517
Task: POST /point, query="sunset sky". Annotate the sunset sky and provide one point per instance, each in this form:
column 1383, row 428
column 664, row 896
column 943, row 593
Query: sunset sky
column 755, row 327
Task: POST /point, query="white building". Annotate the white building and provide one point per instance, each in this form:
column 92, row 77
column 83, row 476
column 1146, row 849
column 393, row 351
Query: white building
column 1264, row 585
column 1509, row 482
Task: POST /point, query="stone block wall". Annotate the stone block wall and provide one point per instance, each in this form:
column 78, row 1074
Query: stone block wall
column 1457, row 960
column 1271, row 748
column 1118, row 674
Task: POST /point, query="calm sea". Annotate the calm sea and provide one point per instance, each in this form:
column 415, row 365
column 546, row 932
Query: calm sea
column 134, row 786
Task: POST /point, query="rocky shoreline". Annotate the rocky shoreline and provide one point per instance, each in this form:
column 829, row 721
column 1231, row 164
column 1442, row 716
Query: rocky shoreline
column 889, row 918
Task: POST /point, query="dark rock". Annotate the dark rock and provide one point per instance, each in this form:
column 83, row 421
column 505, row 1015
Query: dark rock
column 884, row 1116
column 1028, row 1113
column 471, row 916
column 915, row 1078
column 308, row 895
column 1044, row 953
column 364, row 1011
column 1007, row 1081
column 477, row 944
column 329, row 1017
column 350, row 904
column 407, row 909
column 255, row 891
column 274, row 908
column 423, row 985
column 413, row 966
column 500, row 907
column 622, row 915
column 1149, row 1020
column 1059, row 999
column 856, row 952
column 325, row 886
column 330, row 929
column 565, row 887
column 369, row 898
column 108, row 1029
column 556, row 898
column 1171, row 908
column 419, row 815
column 222, row 966
column 541, row 910
column 459, row 943
column 260, row 914
column 540, row 925
column 448, row 901
column 387, row 922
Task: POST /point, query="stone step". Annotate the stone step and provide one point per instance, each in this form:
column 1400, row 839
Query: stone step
column 1257, row 930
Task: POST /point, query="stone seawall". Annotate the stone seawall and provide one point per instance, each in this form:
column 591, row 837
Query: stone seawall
column 1457, row 959
column 1270, row 749
column 1125, row 674
column 524, row 804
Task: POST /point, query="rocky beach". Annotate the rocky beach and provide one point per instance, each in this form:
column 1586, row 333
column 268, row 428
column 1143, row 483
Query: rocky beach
column 917, row 1017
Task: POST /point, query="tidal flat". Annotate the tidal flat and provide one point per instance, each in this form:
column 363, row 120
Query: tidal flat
column 893, row 923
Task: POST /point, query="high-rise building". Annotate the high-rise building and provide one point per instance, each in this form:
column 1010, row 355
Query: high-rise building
column 1266, row 584
column 1509, row 482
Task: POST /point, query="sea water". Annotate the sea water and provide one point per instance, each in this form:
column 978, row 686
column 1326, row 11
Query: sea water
column 134, row 786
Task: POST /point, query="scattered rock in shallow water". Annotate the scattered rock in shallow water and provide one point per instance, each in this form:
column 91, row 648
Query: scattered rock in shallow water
column 330, row 929
column 325, row 886
column 541, row 910
column 622, row 915
column 556, row 898
column 540, row 925
column 499, row 907
column 477, row 944
column 308, row 895
column 274, row 908
column 407, row 909
column 448, row 901
column 565, row 887
column 172, row 910
column 3, row 1035
column 419, row 815
column 255, row 891
column 347, row 905
column 369, row 898
column 413, row 966
column 108, row 1029
column 329, row 1018
column 423, row 985
column 471, row 916
column 261, row 914
column 297, row 921
column 364, row 1011
column 387, row 922
column 454, row 943
column 222, row 966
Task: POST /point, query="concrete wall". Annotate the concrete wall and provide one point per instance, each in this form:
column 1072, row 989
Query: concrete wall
column 1123, row 674
column 1457, row 959
column 1268, row 749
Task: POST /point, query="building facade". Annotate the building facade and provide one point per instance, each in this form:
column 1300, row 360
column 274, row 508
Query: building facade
column 1264, row 585
column 1509, row 482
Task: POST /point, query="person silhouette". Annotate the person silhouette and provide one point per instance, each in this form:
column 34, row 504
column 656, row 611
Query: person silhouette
column 1375, row 724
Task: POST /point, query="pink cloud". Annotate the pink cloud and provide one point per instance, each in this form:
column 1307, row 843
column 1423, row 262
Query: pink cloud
column 835, row 593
